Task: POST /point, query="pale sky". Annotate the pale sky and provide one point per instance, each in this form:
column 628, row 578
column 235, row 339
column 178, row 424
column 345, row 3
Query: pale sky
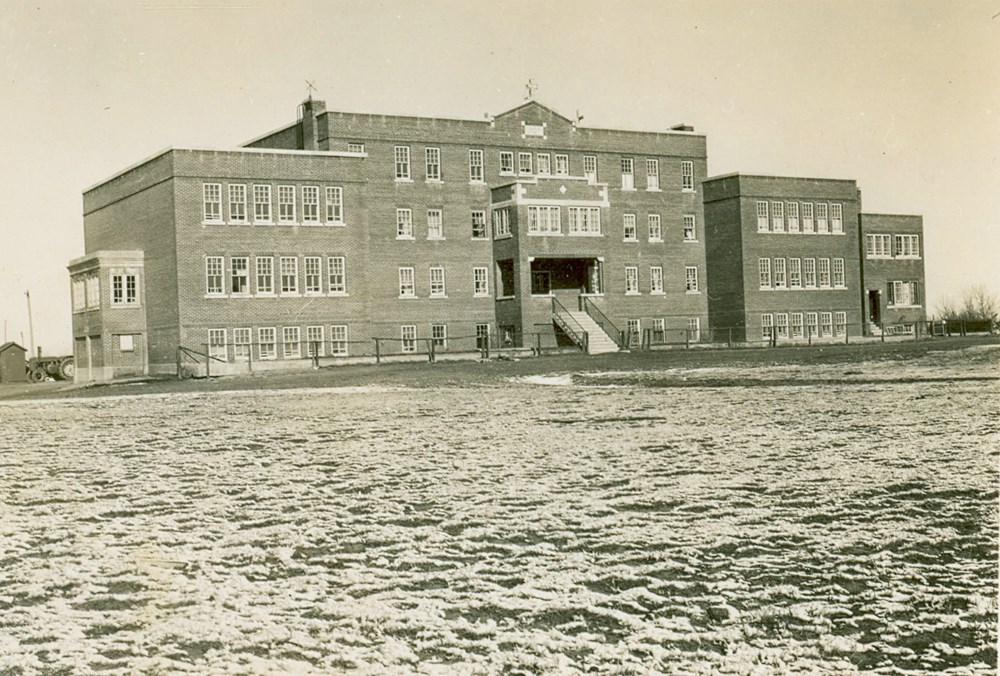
column 903, row 96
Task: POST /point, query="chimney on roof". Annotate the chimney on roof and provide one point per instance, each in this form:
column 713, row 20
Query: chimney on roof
column 308, row 126
column 682, row 127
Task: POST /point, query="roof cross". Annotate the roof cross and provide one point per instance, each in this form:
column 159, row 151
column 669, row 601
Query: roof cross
column 532, row 87
column 310, row 87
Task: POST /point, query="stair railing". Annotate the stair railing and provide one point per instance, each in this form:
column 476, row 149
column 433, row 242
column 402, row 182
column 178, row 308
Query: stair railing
column 590, row 307
column 569, row 325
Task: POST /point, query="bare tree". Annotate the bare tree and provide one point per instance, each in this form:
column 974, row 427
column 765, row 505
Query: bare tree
column 977, row 303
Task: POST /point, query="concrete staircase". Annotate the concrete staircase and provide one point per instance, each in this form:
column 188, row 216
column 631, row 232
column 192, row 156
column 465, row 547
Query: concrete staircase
column 598, row 342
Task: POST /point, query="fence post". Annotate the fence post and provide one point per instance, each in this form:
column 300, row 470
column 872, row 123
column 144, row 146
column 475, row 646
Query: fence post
column 430, row 349
column 729, row 342
column 847, row 334
column 882, row 329
column 916, row 330
column 250, row 356
column 378, row 354
column 963, row 328
column 208, row 360
column 810, row 332
column 687, row 339
column 315, row 351
column 179, row 376
column 538, row 343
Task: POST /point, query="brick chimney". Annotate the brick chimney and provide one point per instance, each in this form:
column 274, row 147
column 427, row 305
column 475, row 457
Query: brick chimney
column 309, row 111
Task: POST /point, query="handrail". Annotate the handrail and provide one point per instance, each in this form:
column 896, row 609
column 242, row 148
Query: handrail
column 563, row 318
column 616, row 334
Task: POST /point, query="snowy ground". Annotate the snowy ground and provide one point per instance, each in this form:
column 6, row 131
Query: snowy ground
column 564, row 524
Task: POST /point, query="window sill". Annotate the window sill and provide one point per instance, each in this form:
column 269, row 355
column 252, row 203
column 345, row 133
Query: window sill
column 506, row 297
column 479, row 239
column 656, row 240
column 593, row 295
column 693, row 293
column 312, row 224
column 624, row 189
column 436, row 297
column 263, row 222
column 435, row 239
column 243, row 222
column 404, row 180
column 542, row 295
column 586, row 234
column 291, row 294
column 632, row 293
column 657, row 293
column 336, row 224
column 480, row 295
column 476, row 182
column 124, row 306
column 338, row 294
column 545, row 234
column 690, row 190
column 653, row 190
column 631, row 240
column 409, row 238
column 496, row 237
column 402, row 297
column 288, row 224
column 437, row 181
column 213, row 222
column 690, row 241
column 215, row 295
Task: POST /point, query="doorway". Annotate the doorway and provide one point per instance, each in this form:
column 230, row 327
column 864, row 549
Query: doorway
column 875, row 306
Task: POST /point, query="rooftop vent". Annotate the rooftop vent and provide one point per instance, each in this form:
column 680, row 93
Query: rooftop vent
column 682, row 127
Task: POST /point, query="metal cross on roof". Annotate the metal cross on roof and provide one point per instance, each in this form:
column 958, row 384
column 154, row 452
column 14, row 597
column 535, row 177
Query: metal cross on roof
column 310, row 87
column 532, row 87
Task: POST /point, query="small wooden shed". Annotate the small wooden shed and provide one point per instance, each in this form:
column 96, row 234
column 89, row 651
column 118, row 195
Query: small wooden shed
column 12, row 364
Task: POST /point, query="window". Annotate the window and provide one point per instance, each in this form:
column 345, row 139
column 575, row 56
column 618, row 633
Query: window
column 266, row 338
column 335, row 205
column 79, row 299
column 290, row 347
column 839, row 323
column 824, row 272
column 544, row 164
column 838, row 273
column 541, row 283
column 792, row 209
column 506, row 162
column 432, row 157
column 404, row 224
column 694, row 329
column 690, row 231
column 501, row 222
column 126, row 342
column 656, row 279
column 658, row 332
column 778, row 216
column 439, row 335
column 437, row 282
column 213, row 275
column 543, row 220
column 314, row 341
column 837, row 218
column 655, row 228
column 338, row 340
column 480, row 282
column 313, row 268
column 781, row 324
column 435, row 224
column 406, row 287
column 807, row 217
column 310, row 204
column 524, row 163
column 631, row 280
column 822, row 226
column 797, row 325
column 476, row 166
column 562, row 165
column 409, row 335
column 237, row 203
column 240, row 275
column 687, row 175
column 628, row 174
column 93, row 284
column 217, row 344
column 289, row 274
column 336, row 269
column 795, row 273
column 762, row 223
column 584, row 220
column 265, row 274
column 634, row 329
column 482, row 336
column 812, row 324
column 401, row 154
column 691, row 279
column 825, row 324
column 628, row 226
column 590, row 168
column 479, row 224
column 262, row 204
column 780, row 280
column 907, row 246
column 809, row 272
column 903, row 294
column 355, row 147
column 286, row 204
column 767, row 326
column 212, row 193
column 879, row 246
column 764, row 266
column 652, row 174
column 241, row 344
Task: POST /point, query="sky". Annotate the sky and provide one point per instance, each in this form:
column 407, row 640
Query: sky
column 902, row 96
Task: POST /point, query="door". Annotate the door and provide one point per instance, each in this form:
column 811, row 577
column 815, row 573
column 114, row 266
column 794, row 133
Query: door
column 875, row 306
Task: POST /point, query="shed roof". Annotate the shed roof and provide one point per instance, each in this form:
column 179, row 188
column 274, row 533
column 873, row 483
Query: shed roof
column 6, row 346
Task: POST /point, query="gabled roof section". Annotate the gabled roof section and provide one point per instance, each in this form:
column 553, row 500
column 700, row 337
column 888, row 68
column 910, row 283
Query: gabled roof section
column 5, row 346
column 532, row 111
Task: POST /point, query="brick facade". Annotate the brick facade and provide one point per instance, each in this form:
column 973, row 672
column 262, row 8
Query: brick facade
column 892, row 251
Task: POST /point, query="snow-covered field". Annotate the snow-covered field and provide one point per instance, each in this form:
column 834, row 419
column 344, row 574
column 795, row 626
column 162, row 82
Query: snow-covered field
column 543, row 525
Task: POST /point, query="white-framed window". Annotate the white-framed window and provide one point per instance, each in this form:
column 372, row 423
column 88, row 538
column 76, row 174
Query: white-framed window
column 237, row 203
column 825, row 324
column 334, row 204
column 590, row 168
column 291, row 348
column 687, row 175
column 658, row 330
column 544, row 220
column 764, row 267
column 824, row 272
column 404, row 224
column 439, row 336
column 239, row 275
column 480, row 282
column 262, row 204
column 401, row 155
column 476, row 171
column 482, row 336
column 435, row 224
column 763, row 225
column 656, row 279
column 506, row 162
column 286, row 204
column 691, row 279
column 655, row 228
column 633, row 328
column 809, row 272
column 93, row 284
column 501, row 222
column 781, row 324
column 310, row 204
column 631, row 280
column 217, row 348
column 652, row 174
column 903, row 294
column 807, row 217
column 778, row 216
column 797, row 331
column 266, row 343
column 584, row 220
column 795, row 273
column 690, row 228
column 406, row 285
column 792, row 209
column 355, row 147
column 628, row 228
column 312, row 266
column 780, row 279
column 265, row 274
column 839, row 323
column 524, row 163
column 628, row 173
column 212, row 201
column 822, row 224
column 812, row 324
column 79, row 298
column 839, row 280
column 289, row 270
column 409, row 335
column 432, row 164
column 214, row 275
column 479, row 230
column 767, row 326
column 694, row 329
column 315, row 346
column 562, row 165
column 338, row 340
column 437, row 282
column 907, row 246
column 241, row 344
column 544, row 164
column 878, row 246
column 837, row 218
column 336, row 270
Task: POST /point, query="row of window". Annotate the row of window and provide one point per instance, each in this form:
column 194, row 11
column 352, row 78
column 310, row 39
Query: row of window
column 581, row 221
column 300, row 205
column 435, row 224
column 86, row 291
column 882, row 246
column 656, row 279
column 547, row 220
column 285, row 279
column 436, row 282
column 535, row 164
column 819, row 218
column 658, row 333
column 799, row 273
column 797, row 325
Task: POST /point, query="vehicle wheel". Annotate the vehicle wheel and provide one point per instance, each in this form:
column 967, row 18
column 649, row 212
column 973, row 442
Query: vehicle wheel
column 67, row 369
column 37, row 375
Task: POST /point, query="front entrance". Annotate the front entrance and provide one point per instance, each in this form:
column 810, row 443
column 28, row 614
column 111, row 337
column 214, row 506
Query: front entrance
column 875, row 306
column 566, row 277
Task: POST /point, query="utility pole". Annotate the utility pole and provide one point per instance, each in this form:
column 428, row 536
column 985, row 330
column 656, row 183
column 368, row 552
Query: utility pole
column 31, row 325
